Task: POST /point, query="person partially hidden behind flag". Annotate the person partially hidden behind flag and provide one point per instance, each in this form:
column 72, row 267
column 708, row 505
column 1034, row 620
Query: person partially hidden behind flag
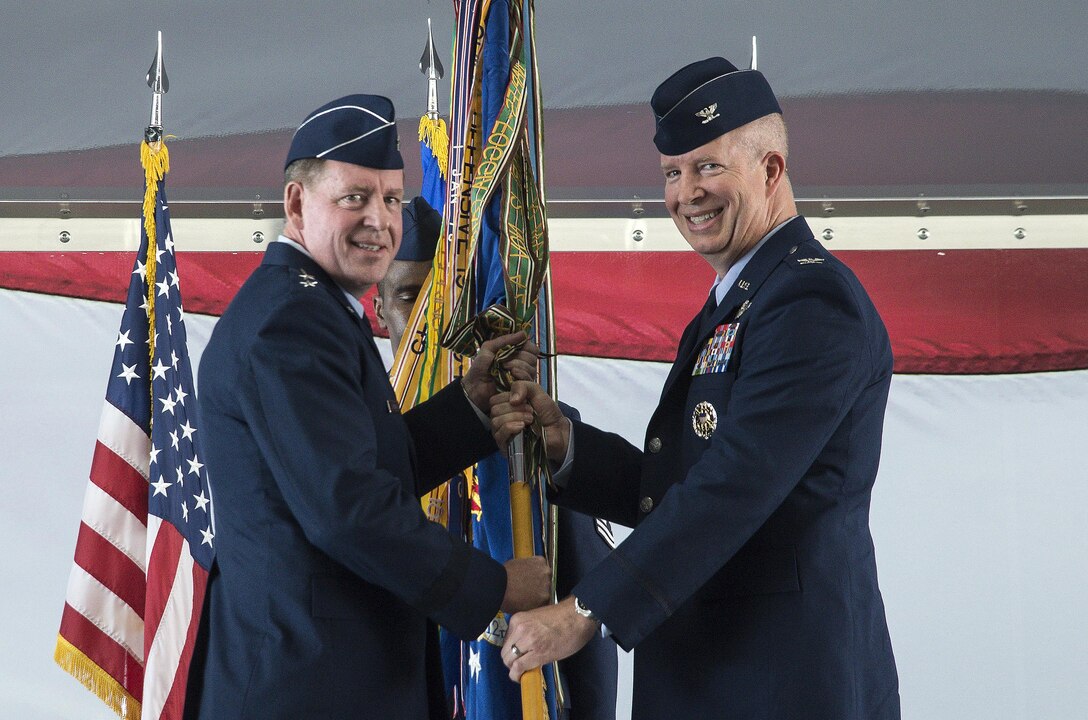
column 328, row 576
column 590, row 674
column 748, row 587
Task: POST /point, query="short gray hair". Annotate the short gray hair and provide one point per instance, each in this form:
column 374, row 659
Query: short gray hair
column 765, row 134
column 304, row 171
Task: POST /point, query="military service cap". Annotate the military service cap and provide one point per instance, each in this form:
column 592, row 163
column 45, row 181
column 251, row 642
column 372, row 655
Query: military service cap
column 705, row 100
column 356, row 129
column 422, row 225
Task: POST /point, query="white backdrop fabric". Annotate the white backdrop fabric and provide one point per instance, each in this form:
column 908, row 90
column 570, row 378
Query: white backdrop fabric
column 980, row 516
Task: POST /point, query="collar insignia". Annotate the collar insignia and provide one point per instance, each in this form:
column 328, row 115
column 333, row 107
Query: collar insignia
column 305, row 279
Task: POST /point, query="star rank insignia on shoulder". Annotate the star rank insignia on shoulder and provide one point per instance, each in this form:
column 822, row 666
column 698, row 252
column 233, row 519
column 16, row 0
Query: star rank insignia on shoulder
column 305, row 279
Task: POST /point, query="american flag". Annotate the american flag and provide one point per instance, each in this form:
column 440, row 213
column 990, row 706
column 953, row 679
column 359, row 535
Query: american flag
column 146, row 538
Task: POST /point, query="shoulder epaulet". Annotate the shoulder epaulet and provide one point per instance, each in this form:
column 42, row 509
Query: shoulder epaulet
column 305, row 279
column 805, row 256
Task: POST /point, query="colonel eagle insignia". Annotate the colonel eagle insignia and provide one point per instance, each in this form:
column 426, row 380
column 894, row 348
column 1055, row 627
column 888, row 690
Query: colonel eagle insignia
column 708, row 113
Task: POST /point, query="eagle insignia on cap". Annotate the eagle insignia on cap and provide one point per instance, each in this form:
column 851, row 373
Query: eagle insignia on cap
column 708, row 113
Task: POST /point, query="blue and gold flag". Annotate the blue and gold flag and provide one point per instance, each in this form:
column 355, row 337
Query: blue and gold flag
column 488, row 278
column 504, row 103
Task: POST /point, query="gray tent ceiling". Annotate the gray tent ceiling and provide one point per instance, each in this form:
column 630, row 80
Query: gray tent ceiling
column 883, row 98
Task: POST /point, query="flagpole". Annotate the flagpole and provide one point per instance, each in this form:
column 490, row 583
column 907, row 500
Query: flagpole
column 155, row 160
column 131, row 615
column 533, row 705
column 490, row 163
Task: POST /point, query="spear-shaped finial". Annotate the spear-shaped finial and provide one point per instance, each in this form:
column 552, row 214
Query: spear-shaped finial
column 753, row 66
column 431, row 66
column 160, row 85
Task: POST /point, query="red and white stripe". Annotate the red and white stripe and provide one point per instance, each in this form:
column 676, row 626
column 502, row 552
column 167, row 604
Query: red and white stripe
column 120, row 609
column 103, row 614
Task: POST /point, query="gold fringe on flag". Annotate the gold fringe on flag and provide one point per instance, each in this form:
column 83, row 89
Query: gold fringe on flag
column 95, row 679
column 433, row 132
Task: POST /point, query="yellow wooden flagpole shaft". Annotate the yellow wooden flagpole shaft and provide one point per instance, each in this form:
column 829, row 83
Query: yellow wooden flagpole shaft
column 533, row 706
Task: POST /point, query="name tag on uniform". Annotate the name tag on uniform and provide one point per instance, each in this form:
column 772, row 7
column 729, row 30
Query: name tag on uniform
column 715, row 355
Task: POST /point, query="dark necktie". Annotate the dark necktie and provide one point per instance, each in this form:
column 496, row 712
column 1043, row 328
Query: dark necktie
column 707, row 312
column 698, row 326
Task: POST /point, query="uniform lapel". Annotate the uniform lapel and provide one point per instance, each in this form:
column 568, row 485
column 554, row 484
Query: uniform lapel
column 755, row 272
column 279, row 253
column 311, row 274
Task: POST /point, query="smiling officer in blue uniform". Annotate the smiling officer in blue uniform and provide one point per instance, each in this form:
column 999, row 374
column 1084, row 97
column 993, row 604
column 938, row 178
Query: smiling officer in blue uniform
column 748, row 588
column 328, row 576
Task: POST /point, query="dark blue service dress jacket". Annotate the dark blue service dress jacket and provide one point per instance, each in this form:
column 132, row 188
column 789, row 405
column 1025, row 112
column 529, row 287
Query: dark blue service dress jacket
column 327, row 574
column 748, row 587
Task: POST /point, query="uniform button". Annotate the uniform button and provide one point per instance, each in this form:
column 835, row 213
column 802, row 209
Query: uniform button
column 654, row 445
column 646, row 504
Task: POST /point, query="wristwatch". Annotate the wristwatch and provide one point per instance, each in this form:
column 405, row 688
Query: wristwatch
column 581, row 609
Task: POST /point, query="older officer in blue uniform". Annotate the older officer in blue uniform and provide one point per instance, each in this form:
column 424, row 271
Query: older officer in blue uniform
column 748, row 587
column 328, row 575
column 590, row 674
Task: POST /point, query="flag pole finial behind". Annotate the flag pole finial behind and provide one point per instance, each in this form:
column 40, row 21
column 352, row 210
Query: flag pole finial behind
column 160, row 85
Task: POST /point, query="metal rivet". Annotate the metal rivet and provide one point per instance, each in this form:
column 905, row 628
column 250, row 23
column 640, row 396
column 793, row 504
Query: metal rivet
column 923, row 234
column 829, row 234
column 636, row 206
column 829, row 208
column 923, row 207
column 64, row 236
column 1020, row 206
column 637, row 235
column 258, row 237
column 1019, row 233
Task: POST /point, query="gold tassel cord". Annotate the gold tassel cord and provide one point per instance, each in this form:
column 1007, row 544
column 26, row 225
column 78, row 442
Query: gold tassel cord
column 155, row 160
